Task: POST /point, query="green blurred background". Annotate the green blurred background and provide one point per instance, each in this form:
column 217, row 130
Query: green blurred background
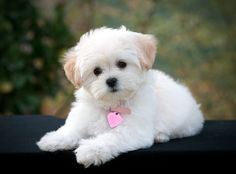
column 197, row 46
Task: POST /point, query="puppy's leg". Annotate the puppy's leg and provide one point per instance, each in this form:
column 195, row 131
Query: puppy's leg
column 108, row 145
column 66, row 137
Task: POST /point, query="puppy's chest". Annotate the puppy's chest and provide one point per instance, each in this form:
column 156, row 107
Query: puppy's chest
column 98, row 124
column 105, row 121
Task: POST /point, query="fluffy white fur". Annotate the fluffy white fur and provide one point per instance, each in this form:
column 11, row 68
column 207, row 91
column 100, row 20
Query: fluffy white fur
column 161, row 108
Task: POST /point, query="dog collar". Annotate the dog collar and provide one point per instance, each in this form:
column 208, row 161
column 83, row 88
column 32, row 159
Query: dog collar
column 115, row 116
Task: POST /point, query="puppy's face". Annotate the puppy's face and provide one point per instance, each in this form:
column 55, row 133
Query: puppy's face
column 110, row 63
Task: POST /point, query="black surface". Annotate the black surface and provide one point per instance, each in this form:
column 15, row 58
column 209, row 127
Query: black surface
column 215, row 146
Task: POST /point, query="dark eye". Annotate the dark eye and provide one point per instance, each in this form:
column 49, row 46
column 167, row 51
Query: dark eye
column 121, row 64
column 97, row 71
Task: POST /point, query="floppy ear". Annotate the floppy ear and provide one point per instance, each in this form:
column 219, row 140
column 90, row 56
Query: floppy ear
column 72, row 73
column 147, row 44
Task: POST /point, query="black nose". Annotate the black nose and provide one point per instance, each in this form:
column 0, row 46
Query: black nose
column 111, row 82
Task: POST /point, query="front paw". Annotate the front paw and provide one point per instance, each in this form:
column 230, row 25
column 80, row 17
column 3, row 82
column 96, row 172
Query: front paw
column 49, row 142
column 54, row 141
column 91, row 153
column 162, row 137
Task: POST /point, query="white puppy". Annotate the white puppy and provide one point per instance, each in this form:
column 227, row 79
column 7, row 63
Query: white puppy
column 121, row 104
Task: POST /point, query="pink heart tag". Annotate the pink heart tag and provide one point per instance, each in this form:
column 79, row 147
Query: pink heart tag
column 114, row 119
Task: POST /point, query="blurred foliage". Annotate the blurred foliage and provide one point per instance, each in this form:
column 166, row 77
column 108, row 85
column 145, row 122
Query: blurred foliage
column 29, row 50
column 196, row 46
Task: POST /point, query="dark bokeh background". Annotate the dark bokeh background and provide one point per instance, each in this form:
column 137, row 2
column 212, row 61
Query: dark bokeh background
column 197, row 46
